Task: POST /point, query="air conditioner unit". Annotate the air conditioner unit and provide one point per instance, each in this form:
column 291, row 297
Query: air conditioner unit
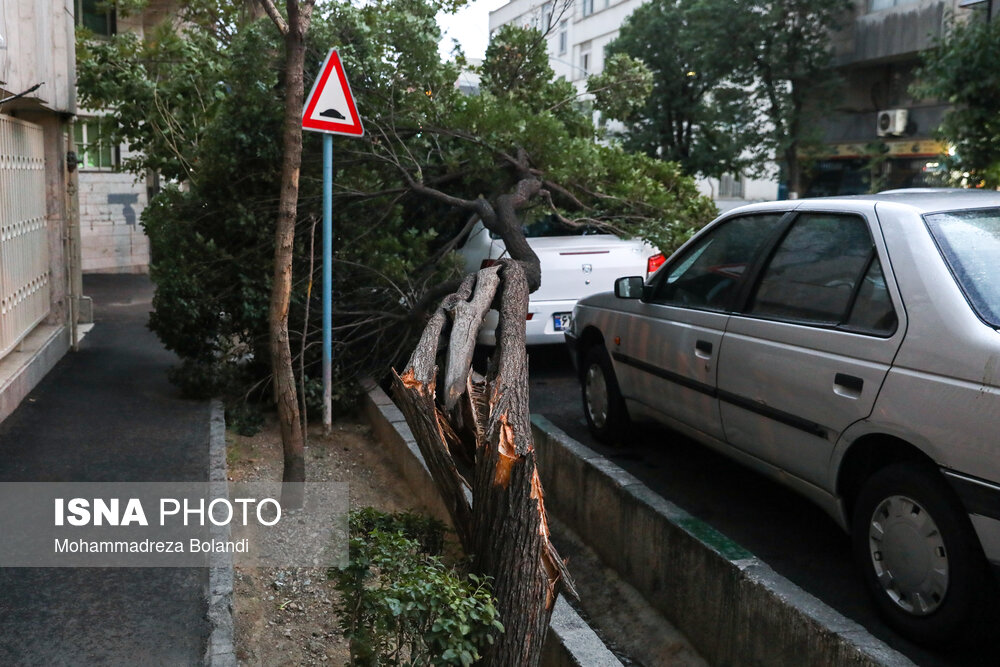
column 891, row 122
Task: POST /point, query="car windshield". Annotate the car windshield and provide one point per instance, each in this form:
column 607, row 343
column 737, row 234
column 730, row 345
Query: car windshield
column 970, row 243
column 549, row 226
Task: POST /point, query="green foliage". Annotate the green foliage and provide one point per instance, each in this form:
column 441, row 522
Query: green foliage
column 161, row 89
column 212, row 234
column 961, row 69
column 516, row 69
column 736, row 84
column 621, row 90
column 786, row 44
column 689, row 117
column 399, row 603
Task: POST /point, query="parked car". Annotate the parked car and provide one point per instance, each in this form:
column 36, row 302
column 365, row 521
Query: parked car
column 576, row 262
column 848, row 348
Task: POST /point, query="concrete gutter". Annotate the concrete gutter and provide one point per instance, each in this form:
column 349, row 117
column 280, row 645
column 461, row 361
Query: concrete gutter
column 733, row 607
column 570, row 641
column 220, row 650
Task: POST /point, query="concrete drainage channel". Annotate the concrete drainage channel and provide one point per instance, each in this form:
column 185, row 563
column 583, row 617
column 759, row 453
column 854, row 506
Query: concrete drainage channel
column 730, row 605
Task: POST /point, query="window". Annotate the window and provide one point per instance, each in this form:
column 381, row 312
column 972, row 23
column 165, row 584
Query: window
column 547, row 16
column 585, row 63
column 879, row 5
column 588, row 7
column 91, row 15
column 816, row 271
column 872, row 310
column 563, row 37
column 708, row 274
column 94, row 148
column 970, row 243
column 731, row 186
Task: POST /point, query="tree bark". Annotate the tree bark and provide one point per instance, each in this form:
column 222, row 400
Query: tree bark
column 284, row 241
column 485, row 421
column 510, row 529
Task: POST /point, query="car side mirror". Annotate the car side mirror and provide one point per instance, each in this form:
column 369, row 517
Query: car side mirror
column 629, row 288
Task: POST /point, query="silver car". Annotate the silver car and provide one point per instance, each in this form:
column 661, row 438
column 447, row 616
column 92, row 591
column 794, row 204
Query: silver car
column 849, row 348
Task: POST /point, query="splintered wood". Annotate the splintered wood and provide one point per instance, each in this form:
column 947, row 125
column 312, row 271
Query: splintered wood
column 484, row 427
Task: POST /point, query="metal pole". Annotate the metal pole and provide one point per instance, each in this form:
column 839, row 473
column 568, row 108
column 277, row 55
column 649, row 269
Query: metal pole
column 327, row 279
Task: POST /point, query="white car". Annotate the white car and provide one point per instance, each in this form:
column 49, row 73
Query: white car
column 575, row 263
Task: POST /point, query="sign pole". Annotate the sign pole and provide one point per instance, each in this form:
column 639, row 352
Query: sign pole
column 327, row 280
column 330, row 109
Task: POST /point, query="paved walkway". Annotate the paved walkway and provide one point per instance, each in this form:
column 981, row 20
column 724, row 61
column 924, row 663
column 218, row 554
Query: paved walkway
column 106, row 413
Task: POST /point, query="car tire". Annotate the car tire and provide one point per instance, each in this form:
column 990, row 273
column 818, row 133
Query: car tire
column 919, row 554
column 603, row 405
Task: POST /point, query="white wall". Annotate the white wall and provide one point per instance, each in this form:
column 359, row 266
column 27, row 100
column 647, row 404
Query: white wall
column 111, row 239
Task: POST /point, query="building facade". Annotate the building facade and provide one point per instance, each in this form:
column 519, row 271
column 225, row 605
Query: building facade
column 880, row 135
column 112, row 200
column 877, row 136
column 577, row 33
column 40, row 282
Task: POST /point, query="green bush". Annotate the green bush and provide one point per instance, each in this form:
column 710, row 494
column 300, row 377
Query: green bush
column 401, row 605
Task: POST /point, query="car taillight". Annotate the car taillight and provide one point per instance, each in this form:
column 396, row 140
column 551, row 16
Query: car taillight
column 487, row 263
column 654, row 262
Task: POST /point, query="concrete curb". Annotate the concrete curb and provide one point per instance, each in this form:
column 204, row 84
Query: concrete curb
column 733, row 607
column 24, row 367
column 570, row 642
column 219, row 650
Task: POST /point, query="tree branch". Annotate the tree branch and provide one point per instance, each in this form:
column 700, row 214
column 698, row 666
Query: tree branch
column 275, row 15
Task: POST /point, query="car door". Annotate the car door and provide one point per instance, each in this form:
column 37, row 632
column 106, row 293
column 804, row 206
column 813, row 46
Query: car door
column 807, row 355
column 665, row 353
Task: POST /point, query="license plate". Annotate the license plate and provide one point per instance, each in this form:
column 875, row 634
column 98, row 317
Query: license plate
column 562, row 321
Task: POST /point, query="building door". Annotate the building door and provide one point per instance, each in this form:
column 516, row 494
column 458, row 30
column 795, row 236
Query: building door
column 24, row 238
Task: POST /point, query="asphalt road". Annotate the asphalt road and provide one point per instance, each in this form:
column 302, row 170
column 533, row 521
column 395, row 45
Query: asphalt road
column 786, row 531
column 106, row 413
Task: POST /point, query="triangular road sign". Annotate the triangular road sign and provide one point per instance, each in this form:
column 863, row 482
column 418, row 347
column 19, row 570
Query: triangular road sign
column 330, row 105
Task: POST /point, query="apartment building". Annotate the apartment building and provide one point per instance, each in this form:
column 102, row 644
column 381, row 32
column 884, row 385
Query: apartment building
column 879, row 134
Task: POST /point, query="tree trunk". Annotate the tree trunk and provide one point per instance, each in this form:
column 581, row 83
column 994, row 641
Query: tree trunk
column 510, row 527
column 794, row 171
column 484, row 423
column 284, row 241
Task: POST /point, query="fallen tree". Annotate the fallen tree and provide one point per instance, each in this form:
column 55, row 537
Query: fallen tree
column 483, row 424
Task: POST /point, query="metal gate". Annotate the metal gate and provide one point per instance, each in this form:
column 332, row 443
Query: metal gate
column 24, row 243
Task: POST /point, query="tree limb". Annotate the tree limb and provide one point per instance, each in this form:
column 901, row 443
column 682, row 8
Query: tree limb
column 275, row 15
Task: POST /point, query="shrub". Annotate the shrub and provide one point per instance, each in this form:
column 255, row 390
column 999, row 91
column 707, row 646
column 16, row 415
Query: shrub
column 401, row 605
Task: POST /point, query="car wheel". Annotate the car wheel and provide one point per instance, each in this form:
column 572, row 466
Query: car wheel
column 919, row 554
column 603, row 405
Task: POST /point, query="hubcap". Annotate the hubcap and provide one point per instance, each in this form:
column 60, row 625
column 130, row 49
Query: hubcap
column 597, row 396
column 908, row 555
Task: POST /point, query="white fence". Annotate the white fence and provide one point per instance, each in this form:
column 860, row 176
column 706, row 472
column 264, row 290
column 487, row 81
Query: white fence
column 24, row 244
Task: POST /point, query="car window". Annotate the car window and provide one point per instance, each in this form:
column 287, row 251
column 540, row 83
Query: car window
column 708, row 273
column 550, row 226
column 815, row 269
column 970, row 243
column 872, row 310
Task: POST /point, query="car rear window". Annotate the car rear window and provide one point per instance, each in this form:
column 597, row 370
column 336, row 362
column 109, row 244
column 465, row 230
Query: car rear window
column 970, row 244
column 549, row 227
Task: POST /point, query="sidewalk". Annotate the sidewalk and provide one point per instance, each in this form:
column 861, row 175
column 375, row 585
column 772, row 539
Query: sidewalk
column 106, row 413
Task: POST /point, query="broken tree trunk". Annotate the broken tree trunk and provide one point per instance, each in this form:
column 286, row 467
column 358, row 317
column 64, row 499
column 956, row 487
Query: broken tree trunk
column 486, row 421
